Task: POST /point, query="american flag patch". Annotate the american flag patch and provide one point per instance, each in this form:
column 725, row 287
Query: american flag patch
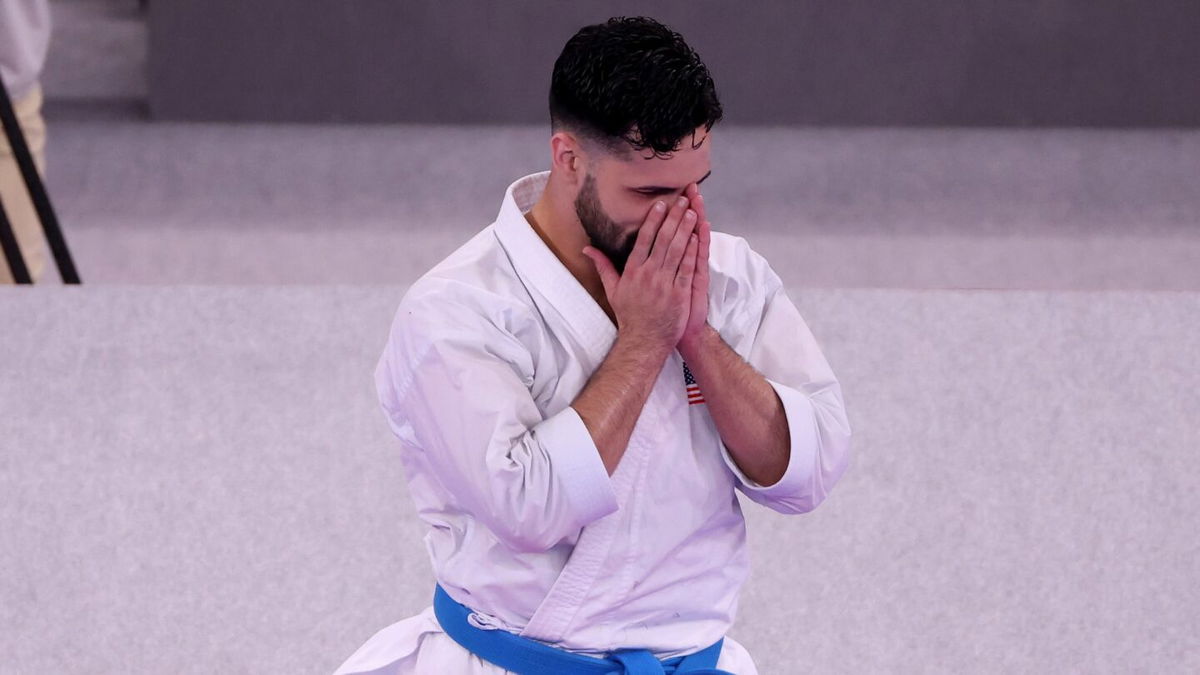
column 693, row 389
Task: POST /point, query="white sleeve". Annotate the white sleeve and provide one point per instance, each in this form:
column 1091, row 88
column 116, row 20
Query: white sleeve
column 456, row 387
column 776, row 341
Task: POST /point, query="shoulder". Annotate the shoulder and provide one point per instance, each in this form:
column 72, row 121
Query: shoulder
column 473, row 296
column 737, row 272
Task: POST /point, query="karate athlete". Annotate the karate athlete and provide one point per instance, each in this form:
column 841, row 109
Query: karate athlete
column 580, row 388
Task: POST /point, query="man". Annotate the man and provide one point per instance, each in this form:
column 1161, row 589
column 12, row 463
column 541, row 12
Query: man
column 580, row 388
column 24, row 39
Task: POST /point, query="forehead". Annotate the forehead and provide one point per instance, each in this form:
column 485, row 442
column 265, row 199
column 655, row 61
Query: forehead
column 684, row 165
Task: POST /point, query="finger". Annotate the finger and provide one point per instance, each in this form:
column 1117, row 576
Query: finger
column 682, row 235
column 700, row 279
column 666, row 233
column 696, row 201
column 698, row 207
column 687, row 267
column 604, row 266
column 646, row 233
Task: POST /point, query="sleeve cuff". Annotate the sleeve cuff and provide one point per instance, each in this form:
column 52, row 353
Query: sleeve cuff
column 576, row 461
column 802, row 452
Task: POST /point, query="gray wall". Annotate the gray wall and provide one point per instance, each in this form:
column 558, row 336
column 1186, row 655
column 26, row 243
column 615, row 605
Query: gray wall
column 818, row 62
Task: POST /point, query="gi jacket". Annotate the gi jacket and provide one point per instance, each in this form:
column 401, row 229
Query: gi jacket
column 485, row 355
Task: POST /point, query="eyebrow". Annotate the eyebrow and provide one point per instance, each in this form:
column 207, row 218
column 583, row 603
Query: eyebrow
column 659, row 188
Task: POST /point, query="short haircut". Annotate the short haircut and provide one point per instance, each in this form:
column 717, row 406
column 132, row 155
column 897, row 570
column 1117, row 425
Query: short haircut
column 632, row 80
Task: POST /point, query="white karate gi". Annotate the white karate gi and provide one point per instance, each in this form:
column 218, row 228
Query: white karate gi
column 486, row 353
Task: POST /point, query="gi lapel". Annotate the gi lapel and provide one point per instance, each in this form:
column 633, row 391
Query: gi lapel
column 559, row 294
column 555, row 290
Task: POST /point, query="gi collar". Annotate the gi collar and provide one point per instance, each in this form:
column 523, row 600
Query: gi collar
column 538, row 267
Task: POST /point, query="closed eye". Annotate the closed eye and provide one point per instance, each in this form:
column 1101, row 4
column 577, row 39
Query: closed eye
column 656, row 190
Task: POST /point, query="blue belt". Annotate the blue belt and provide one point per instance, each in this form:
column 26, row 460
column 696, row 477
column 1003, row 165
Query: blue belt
column 528, row 657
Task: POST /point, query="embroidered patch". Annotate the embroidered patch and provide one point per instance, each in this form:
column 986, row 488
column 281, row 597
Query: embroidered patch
column 693, row 389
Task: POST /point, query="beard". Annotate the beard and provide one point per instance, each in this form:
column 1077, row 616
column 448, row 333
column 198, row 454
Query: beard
column 605, row 235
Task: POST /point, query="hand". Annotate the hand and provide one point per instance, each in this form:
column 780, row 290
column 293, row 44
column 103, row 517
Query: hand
column 698, row 313
column 652, row 297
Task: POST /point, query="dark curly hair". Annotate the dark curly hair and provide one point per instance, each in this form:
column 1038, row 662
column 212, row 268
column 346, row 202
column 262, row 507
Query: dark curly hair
column 632, row 79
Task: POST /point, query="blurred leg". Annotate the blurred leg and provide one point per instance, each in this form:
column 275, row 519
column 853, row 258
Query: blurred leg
column 12, row 189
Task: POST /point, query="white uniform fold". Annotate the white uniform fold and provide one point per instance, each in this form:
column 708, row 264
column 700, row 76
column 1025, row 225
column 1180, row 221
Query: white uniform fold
column 485, row 355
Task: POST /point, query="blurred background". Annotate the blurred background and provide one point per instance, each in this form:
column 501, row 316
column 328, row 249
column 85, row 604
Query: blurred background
column 917, row 145
column 988, row 212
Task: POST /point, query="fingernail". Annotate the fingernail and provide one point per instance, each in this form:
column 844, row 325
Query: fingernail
column 682, row 201
column 690, row 215
column 660, row 206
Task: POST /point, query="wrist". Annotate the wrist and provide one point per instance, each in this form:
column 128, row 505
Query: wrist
column 691, row 343
column 642, row 345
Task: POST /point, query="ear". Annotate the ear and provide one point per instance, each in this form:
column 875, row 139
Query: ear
column 566, row 156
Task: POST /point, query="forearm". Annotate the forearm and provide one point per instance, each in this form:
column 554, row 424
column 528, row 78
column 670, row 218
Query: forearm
column 612, row 400
column 744, row 406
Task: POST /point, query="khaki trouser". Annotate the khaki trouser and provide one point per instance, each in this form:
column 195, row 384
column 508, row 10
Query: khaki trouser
column 17, row 204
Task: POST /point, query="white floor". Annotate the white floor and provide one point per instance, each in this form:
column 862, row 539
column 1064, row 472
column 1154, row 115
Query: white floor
column 198, row 479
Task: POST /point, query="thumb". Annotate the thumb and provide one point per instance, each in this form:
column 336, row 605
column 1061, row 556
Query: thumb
column 608, row 273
